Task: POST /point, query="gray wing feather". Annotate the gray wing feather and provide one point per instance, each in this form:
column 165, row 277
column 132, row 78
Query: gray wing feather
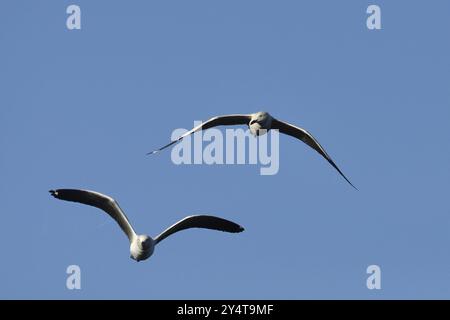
column 307, row 138
column 232, row 119
column 98, row 200
column 201, row 221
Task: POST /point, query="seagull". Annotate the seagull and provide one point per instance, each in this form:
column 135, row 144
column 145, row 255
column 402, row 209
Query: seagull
column 259, row 123
column 142, row 246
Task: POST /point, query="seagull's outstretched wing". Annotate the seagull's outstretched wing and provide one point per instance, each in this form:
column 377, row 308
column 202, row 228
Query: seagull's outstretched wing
column 232, row 119
column 200, row 221
column 98, row 200
column 307, row 138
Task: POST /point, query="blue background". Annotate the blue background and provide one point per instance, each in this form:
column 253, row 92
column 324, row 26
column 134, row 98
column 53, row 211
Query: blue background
column 81, row 108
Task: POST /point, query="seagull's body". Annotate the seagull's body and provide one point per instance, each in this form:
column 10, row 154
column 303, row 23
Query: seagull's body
column 259, row 123
column 142, row 246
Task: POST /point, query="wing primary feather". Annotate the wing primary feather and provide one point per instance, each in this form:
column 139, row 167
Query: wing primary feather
column 162, row 148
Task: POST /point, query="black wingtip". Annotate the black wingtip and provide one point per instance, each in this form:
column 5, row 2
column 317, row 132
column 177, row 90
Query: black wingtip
column 162, row 148
column 241, row 229
column 152, row 152
column 53, row 193
column 339, row 170
column 349, row 182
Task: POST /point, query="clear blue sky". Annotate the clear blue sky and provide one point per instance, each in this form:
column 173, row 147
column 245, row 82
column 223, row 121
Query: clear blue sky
column 81, row 108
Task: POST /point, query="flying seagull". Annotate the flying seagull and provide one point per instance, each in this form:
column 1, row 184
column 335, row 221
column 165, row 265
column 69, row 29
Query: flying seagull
column 259, row 123
column 142, row 246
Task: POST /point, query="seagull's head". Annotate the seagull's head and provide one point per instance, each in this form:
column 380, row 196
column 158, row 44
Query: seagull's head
column 141, row 247
column 145, row 242
column 260, row 120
